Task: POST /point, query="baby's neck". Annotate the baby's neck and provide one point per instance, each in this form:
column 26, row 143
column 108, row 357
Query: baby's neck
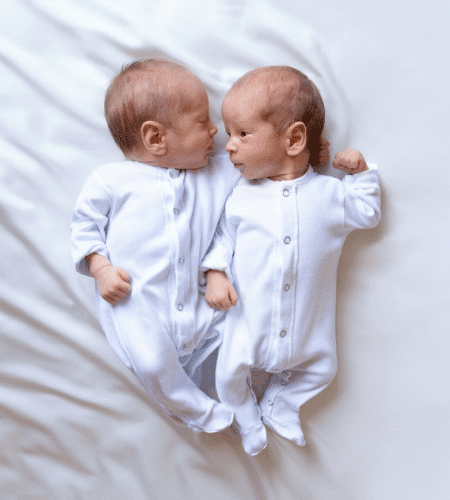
column 291, row 171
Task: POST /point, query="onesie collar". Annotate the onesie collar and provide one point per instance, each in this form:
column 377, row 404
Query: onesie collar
column 306, row 177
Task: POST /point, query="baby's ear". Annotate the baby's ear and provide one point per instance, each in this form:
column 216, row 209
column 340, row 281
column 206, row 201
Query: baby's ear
column 153, row 137
column 296, row 138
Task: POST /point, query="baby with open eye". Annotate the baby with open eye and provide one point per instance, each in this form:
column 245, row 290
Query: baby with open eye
column 274, row 258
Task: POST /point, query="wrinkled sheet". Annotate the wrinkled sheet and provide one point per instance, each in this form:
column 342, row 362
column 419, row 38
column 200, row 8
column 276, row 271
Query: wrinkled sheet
column 75, row 424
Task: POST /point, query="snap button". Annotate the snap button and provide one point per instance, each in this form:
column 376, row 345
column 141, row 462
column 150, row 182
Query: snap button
column 287, row 288
column 181, row 260
column 283, row 333
column 270, row 403
column 287, row 240
column 180, row 307
column 176, row 211
column 286, row 192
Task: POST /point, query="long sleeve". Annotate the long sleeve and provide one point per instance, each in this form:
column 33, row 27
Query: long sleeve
column 220, row 254
column 142, row 218
column 362, row 199
column 89, row 224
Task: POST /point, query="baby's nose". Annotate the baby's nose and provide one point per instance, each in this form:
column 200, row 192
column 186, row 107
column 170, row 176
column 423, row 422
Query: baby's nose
column 213, row 130
column 230, row 146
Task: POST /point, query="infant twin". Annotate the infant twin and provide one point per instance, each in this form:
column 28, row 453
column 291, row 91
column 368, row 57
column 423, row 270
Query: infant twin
column 263, row 231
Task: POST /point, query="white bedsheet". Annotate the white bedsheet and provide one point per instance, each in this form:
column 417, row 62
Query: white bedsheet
column 74, row 423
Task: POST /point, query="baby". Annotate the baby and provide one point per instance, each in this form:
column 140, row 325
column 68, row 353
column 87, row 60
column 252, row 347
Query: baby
column 141, row 226
column 279, row 242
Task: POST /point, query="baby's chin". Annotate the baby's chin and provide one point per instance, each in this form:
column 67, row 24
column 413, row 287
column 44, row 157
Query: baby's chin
column 208, row 159
column 206, row 162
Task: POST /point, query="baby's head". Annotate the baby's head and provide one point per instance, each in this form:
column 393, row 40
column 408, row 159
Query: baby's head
column 158, row 113
column 274, row 116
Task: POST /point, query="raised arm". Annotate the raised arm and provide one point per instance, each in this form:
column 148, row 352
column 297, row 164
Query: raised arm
column 350, row 161
column 362, row 190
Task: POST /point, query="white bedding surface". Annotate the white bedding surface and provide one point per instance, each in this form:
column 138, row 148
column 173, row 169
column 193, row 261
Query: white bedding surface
column 74, row 423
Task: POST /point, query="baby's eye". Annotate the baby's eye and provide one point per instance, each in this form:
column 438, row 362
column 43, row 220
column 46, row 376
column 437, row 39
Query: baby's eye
column 243, row 133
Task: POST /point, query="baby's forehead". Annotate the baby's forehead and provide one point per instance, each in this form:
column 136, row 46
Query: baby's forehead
column 248, row 100
column 270, row 85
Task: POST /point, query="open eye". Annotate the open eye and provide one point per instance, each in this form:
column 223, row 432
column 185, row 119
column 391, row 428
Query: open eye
column 243, row 133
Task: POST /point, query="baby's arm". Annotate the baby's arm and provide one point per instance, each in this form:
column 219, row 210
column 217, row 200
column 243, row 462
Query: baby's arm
column 350, row 161
column 362, row 203
column 220, row 293
column 111, row 281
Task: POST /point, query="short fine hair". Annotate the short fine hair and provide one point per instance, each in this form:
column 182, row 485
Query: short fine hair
column 145, row 89
column 288, row 96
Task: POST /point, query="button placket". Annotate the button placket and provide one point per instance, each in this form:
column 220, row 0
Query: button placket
column 182, row 276
column 288, row 249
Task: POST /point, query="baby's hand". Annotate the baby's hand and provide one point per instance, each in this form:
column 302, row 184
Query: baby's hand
column 324, row 154
column 350, row 161
column 112, row 283
column 220, row 293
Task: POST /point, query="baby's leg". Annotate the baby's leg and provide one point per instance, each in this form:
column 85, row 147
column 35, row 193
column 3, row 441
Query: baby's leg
column 234, row 390
column 166, row 382
column 152, row 357
column 288, row 390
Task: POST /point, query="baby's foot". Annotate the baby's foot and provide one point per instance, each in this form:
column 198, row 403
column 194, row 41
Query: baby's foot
column 288, row 430
column 219, row 419
column 216, row 419
column 255, row 439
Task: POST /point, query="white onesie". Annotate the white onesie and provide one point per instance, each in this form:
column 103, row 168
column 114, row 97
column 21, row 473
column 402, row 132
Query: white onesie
column 279, row 243
column 157, row 223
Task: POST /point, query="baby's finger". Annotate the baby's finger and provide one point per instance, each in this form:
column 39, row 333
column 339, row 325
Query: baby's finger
column 212, row 303
column 123, row 274
column 233, row 298
column 109, row 298
column 123, row 287
column 343, row 165
column 223, row 304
